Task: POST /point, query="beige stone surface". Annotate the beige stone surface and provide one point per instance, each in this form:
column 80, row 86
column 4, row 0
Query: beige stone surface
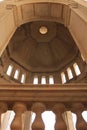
column 76, row 21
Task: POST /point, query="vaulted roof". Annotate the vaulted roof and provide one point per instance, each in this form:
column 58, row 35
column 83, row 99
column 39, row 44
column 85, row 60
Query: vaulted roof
column 40, row 52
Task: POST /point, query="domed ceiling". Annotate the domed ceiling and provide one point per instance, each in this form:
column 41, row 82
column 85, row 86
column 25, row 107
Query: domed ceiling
column 42, row 46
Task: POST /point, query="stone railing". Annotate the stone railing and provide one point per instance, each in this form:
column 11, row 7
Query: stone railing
column 39, row 98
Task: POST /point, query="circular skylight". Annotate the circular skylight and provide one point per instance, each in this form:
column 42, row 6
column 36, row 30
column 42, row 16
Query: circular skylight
column 43, row 30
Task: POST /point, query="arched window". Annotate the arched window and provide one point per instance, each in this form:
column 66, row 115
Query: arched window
column 23, row 78
column 9, row 70
column 63, row 77
column 35, row 81
column 76, row 68
column 43, row 80
column 51, row 79
column 16, row 74
column 69, row 72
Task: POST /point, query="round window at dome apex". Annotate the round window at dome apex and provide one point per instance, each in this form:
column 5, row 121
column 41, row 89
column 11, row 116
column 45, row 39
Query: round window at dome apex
column 43, row 30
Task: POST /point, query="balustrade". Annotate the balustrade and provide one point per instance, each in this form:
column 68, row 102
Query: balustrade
column 37, row 99
column 38, row 124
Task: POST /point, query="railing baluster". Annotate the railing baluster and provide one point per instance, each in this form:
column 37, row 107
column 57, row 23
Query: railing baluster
column 19, row 109
column 38, row 123
column 3, row 108
column 78, row 108
column 60, row 124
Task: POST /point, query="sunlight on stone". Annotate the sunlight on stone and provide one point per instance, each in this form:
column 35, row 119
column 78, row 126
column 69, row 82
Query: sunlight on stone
column 47, row 116
column 84, row 114
column 74, row 120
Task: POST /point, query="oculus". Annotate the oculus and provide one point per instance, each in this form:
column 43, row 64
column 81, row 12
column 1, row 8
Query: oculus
column 43, row 30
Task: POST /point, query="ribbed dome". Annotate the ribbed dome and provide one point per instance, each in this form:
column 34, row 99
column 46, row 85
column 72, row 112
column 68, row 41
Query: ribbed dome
column 42, row 52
